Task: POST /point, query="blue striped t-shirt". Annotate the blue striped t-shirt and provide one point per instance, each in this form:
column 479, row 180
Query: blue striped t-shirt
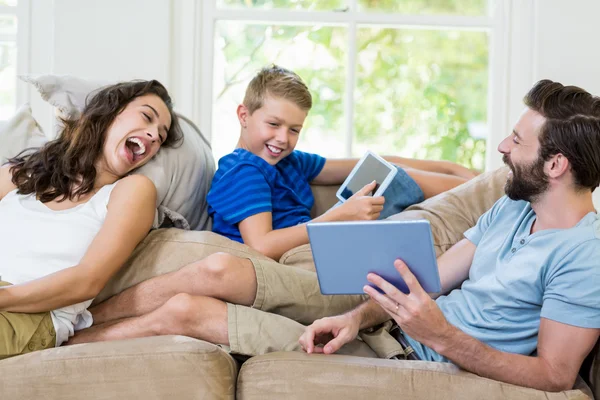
column 245, row 185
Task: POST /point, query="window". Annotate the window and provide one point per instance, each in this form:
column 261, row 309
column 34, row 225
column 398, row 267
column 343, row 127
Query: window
column 403, row 77
column 8, row 58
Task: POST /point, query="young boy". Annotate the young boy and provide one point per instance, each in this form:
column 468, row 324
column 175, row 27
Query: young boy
column 261, row 194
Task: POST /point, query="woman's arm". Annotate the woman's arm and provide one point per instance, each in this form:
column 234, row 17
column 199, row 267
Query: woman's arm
column 6, row 184
column 441, row 167
column 130, row 216
column 335, row 171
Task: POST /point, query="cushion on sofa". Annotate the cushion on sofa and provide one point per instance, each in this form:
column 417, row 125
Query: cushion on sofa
column 275, row 376
column 182, row 175
column 20, row 132
column 163, row 367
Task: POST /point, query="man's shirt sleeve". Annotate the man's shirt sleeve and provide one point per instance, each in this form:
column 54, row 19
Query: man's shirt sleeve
column 572, row 288
column 476, row 233
column 241, row 192
column 310, row 164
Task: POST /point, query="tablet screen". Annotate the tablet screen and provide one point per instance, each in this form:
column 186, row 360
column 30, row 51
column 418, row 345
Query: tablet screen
column 371, row 169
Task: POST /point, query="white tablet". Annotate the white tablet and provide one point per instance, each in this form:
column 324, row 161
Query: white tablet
column 369, row 168
column 345, row 252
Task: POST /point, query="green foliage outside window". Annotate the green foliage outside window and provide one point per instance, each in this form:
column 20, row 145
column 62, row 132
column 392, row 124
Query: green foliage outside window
column 417, row 91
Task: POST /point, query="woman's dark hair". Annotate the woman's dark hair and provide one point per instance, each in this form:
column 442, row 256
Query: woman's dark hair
column 572, row 128
column 65, row 168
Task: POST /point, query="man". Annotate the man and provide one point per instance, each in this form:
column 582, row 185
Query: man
column 530, row 268
column 256, row 306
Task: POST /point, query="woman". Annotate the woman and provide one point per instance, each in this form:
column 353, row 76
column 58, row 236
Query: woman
column 71, row 216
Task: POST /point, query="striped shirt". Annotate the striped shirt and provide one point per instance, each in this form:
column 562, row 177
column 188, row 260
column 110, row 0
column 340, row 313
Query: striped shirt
column 245, row 185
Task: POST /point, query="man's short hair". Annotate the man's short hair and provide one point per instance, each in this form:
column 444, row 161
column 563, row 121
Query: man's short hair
column 572, row 128
column 277, row 82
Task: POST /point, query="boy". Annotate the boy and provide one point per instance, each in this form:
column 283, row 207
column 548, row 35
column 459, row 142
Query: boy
column 260, row 194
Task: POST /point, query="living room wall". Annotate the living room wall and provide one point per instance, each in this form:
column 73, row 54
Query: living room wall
column 114, row 39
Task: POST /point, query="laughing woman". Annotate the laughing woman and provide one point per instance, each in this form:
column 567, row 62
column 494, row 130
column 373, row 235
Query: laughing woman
column 70, row 215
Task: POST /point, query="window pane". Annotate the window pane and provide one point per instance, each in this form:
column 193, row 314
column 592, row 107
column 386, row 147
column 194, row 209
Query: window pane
column 417, row 7
column 9, row 3
column 321, row 5
column 8, row 24
column 8, row 79
column 316, row 53
column 422, row 93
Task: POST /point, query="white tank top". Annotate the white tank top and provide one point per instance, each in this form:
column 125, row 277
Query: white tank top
column 36, row 241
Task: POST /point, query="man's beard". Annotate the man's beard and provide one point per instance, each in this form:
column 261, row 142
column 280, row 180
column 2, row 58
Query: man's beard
column 528, row 181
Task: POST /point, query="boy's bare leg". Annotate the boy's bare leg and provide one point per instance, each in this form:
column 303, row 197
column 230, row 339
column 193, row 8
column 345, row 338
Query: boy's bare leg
column 200, row 317
column 219, row 275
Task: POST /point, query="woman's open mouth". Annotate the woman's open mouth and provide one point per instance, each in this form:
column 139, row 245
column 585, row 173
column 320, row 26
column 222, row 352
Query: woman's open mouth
column 135, row 149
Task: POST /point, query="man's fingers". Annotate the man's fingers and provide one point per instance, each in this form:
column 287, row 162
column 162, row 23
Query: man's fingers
column 307, row 339
column 409, row 278
column 336, row 343
column 389, row 305
column 389, row 289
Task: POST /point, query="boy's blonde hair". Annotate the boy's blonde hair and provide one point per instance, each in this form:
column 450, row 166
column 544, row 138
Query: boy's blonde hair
column 277, row 82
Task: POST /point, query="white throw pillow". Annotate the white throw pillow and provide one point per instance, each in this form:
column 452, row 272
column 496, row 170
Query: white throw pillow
column 20, row 132
column 182, row 175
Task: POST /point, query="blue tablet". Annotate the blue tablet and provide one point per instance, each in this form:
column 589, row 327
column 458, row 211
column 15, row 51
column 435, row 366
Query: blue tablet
column 345, row 252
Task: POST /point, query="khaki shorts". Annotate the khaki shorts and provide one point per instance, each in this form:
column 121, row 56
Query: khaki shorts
column 22, row 333
column 287, row 299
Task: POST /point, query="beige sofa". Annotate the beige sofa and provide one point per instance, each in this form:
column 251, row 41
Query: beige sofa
column 177, row 367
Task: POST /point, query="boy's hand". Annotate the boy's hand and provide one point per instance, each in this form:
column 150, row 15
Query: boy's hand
column 363, row 206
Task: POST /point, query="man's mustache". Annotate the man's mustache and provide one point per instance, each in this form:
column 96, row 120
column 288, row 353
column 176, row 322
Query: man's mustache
column 506, row 161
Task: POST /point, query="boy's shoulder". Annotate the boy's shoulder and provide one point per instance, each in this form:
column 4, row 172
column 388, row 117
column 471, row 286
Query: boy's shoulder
column 241, row 161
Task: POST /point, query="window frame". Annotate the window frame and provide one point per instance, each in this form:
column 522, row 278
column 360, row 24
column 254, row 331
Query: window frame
column 22, row 42
column 496, row 22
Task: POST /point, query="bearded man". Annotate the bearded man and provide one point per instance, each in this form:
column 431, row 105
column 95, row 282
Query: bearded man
column 523, row 302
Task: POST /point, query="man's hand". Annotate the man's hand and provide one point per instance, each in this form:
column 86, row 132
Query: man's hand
column 416, row 313
column 332, row 332
column 362, row 205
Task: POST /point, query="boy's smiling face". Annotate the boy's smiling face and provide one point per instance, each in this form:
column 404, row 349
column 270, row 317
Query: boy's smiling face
column 271, row 132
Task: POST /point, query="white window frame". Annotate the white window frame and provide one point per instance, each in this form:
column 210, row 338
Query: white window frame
column 497, row 22
column 22, row 39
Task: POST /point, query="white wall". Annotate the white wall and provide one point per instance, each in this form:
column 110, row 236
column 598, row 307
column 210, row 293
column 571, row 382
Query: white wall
column 566, row 46
column 112, row 40
column 160, row 39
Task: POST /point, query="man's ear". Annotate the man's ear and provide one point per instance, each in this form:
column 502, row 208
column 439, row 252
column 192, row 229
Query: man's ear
column 558, row 165
column 242, row 113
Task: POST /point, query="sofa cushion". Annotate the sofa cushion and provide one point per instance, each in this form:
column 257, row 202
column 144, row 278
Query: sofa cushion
column 275, row 376
column 453, row 212
column 19, row 133
column 164, row 367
